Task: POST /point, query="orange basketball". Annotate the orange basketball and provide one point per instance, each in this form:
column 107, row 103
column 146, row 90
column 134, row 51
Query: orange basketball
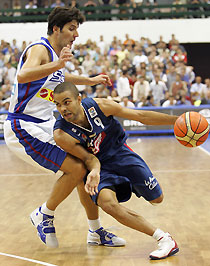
column 191, row 129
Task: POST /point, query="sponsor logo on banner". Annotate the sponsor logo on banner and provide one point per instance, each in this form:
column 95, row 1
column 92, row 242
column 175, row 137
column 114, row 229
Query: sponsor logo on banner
column 46, row 94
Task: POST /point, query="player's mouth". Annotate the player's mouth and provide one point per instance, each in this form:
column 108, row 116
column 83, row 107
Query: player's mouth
column 68, row 115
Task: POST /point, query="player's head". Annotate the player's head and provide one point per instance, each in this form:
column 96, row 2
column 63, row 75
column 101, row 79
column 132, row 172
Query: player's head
column 60, row 16
column 68, row 101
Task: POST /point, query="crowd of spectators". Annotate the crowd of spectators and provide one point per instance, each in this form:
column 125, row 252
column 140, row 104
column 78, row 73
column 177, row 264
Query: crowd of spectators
column 129, row 9
column 142, row 73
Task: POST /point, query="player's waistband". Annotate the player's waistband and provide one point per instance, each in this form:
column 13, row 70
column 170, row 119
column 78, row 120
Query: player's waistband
column 28, row 118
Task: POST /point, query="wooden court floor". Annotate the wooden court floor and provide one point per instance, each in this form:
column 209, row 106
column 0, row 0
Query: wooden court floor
column 184, row 174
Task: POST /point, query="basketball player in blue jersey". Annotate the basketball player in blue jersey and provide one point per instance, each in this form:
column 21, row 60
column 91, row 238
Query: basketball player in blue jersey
column 28, row 130
column 87, row 130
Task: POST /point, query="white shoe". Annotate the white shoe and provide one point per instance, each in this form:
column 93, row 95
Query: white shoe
column 45, row 227
column 102, row 237
column 167, row 247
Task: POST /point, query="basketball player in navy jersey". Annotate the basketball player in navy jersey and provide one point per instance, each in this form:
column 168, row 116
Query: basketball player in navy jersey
column 87, row 130
column 28, row 130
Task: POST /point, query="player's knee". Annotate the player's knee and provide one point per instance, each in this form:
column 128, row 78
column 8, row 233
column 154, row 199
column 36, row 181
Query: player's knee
column 109, row 207
column 157, row 200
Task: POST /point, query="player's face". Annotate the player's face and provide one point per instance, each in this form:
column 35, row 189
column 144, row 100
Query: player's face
column 68, row 106
column 68, row 34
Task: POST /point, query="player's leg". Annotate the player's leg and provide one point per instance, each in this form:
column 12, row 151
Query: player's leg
column 108, row 202
column 43, row 217
column 96, row 231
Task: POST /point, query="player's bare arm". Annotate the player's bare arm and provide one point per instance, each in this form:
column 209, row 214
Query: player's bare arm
column 37, row 64
column 79, row 80
column 109, row 107
column 73, row 147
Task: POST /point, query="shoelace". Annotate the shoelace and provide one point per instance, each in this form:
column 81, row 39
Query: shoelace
column 48, row 222
column 105, row 233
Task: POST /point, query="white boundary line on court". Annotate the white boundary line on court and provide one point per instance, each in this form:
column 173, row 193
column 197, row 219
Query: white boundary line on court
column 22, row 258
column 204, row 150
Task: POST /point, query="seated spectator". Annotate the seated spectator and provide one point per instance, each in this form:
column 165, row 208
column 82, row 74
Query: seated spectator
column 207, row 87
column 126, row 103
column 114, row 96
column 150, row 101
column 183, row 101
column 178, row 86
column 206, row 100
column 195, row 8
column 128, row 41
column 30, row 5
column 170, row 102
column 89, row 3
column 141, row 89
column 57, row 3
column 16, row 5
column 158, row 89
column 179, row 56
column 197, row 89
column 74, row 3
column 123, row 86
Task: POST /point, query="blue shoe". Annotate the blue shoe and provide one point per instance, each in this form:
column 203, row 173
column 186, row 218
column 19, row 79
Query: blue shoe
column 45, row 227
column 102, row 237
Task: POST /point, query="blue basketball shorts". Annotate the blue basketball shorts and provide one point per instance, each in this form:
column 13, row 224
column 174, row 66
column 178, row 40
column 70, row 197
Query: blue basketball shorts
column 34, row 143
column 127, row 172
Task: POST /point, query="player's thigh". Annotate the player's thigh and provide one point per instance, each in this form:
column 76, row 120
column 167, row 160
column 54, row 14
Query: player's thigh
column 107, row 200
column 73, row 165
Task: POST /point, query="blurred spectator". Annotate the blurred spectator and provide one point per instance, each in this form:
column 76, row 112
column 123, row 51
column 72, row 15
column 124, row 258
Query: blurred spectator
column 178, row 86
column 170, row 102
column 89, row 3
column 114, row 96
column 158, row 88
column 171, row 75
column 126, row 103
column 74, row 3
column 30, row 5
column 183, row 101
column 9, row 72
column 102, row 45
column 139, row 57
column 197, row 89
column 123, row 86
column 88, row 63
column 141, row 89
column 57, row 3
column 150, row 101
column 207, row 86
column 128, row 41
column 16, row 5
column 106, row 3
column 179, row 56
column 195, row 8
column 206, row 100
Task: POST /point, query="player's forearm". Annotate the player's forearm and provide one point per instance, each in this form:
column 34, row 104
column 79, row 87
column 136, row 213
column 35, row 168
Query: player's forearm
column 78, row 80
column 92, row 163
column 156, row 118
column 38, row 72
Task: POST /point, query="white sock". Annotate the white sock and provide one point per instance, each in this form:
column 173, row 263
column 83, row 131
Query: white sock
column 158, row 234
column 94, row 224
column 47, row 211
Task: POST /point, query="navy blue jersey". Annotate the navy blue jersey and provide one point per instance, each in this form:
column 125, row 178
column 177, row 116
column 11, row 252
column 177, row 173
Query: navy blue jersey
column 104, row 138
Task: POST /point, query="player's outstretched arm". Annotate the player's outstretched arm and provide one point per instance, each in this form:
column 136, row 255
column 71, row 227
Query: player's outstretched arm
column 79, row 80
column 72, row 146
column 110, row 107
column 37, row 64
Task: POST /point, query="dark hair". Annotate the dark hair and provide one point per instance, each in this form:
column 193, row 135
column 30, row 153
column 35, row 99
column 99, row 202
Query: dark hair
column 62, row 15
column 67, row 86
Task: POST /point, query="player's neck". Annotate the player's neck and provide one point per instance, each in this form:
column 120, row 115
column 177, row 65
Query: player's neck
column 82, row 120
column 54, row 45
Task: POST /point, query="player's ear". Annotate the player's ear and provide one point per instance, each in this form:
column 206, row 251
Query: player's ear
column 79, row 98
column 56, row 29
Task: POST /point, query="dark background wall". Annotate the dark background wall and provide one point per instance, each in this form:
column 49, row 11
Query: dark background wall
column 198, row 55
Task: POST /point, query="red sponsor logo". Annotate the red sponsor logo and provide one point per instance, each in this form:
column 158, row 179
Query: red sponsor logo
column 43, row 93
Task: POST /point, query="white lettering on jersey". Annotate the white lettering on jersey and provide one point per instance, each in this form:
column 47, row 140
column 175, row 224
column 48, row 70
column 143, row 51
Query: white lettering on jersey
column 98, row 122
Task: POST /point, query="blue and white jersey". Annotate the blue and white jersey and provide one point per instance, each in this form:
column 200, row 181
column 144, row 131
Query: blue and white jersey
column 35, row 99
column 105, row 136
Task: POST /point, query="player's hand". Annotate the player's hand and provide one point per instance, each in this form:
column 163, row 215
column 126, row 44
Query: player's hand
column 65, row 55
column 102, row 78
column 92, row 182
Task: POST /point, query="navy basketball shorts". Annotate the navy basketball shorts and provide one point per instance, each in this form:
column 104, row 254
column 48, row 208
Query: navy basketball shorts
column 127, row 172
